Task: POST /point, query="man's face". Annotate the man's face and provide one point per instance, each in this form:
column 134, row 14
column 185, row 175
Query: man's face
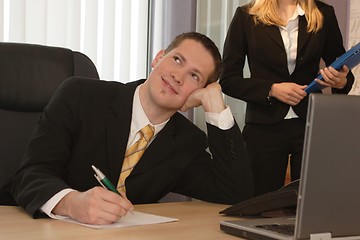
column 178, row 73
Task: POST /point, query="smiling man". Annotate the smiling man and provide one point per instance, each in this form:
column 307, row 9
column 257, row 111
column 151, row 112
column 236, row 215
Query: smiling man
column 91, row 122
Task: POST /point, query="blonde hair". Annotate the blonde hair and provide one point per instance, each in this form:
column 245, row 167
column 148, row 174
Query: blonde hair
column 266, row 12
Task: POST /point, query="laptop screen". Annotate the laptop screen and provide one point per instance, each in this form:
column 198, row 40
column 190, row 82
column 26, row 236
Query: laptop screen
column 329, row 188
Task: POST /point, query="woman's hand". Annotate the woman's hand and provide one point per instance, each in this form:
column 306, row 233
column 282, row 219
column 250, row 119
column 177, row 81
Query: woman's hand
column 288, row 92
column 333, row 78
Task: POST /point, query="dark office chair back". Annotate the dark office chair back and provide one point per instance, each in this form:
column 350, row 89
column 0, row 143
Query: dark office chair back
column 29, row 75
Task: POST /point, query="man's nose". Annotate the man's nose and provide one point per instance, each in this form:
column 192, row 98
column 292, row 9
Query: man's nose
column 179, row 77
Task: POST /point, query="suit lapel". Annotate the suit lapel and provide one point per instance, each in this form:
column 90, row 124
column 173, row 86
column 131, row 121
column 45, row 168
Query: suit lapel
column 274, row 34
column 304, row 35
column 118, row 127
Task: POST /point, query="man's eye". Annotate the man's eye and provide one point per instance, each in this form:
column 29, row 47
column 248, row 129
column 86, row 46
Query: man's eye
column 195, row 76
column 177, row 59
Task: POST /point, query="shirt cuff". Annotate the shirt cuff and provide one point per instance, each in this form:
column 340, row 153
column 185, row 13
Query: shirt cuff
column 223, row 120
column 51, row 203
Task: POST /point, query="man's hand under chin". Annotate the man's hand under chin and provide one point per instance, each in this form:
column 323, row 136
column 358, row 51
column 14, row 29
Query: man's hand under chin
column 210, row 98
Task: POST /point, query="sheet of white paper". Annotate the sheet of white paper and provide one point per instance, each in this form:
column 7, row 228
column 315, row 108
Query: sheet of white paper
column 135, row 219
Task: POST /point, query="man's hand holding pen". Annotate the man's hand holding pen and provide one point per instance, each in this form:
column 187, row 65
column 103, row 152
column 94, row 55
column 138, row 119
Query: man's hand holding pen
column 95, row 206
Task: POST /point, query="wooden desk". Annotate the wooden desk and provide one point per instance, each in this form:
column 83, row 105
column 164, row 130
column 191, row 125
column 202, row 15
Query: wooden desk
column 197, row 220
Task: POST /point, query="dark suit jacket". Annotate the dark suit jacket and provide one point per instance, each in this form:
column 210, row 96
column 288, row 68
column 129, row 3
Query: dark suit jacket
column 263, row 47
column 87, row 122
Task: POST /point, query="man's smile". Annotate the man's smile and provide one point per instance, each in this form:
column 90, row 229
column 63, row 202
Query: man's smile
column 169, row 86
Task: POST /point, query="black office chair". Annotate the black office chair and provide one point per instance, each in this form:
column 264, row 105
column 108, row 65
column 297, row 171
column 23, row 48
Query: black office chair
column 29, row 75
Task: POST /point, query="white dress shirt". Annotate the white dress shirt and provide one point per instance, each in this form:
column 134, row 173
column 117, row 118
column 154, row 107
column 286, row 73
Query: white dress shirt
column 223, row 120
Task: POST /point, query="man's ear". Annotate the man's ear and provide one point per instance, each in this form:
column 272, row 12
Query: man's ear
column 157, row 58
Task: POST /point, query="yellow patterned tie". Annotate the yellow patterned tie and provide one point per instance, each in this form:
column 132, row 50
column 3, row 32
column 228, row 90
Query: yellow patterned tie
column 133, row 154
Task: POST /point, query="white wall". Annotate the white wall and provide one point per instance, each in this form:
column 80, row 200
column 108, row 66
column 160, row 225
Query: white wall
column 354, row 38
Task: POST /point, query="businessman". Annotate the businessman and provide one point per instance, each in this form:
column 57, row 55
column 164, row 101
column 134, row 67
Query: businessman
column 91, row 122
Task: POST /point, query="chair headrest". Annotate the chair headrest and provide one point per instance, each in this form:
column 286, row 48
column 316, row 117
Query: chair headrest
column 29, row 74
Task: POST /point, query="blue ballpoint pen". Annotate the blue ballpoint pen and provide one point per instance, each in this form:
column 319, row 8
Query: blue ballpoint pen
column 104, row 181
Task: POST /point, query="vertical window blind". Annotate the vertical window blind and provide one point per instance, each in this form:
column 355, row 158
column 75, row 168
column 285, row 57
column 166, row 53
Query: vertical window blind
column 113, row 33
column 213, row 19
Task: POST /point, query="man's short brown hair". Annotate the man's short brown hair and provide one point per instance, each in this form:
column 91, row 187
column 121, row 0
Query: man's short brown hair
column 209, row 46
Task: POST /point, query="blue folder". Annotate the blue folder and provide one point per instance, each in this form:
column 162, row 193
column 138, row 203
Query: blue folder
column 351, row 58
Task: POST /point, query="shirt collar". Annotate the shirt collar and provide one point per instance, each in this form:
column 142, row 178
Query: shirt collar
column 298, row 12
column 293, row 21
column 139, row 118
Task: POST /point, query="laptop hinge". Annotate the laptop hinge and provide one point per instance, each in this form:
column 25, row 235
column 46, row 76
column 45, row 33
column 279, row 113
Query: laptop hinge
column 327, row 236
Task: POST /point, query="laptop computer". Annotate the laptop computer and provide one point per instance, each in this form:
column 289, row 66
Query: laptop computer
column 329, row 196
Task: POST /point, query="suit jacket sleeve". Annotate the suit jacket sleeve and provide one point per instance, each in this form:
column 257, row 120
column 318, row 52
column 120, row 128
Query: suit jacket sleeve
column 334, row 47
column 43, row 171
column 237, row 50
column 221, row 173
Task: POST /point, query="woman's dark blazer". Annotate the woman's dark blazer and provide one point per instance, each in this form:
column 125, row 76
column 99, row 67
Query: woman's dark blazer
column 264, row 49
column 87, row 122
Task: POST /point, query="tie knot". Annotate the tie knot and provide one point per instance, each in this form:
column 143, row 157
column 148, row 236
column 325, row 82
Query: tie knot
column 147, row 132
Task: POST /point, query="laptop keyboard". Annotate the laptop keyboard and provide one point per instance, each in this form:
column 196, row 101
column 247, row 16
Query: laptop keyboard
column 287, row 229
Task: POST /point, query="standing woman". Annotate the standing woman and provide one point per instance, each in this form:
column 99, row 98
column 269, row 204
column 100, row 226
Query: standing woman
column 283, row 41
